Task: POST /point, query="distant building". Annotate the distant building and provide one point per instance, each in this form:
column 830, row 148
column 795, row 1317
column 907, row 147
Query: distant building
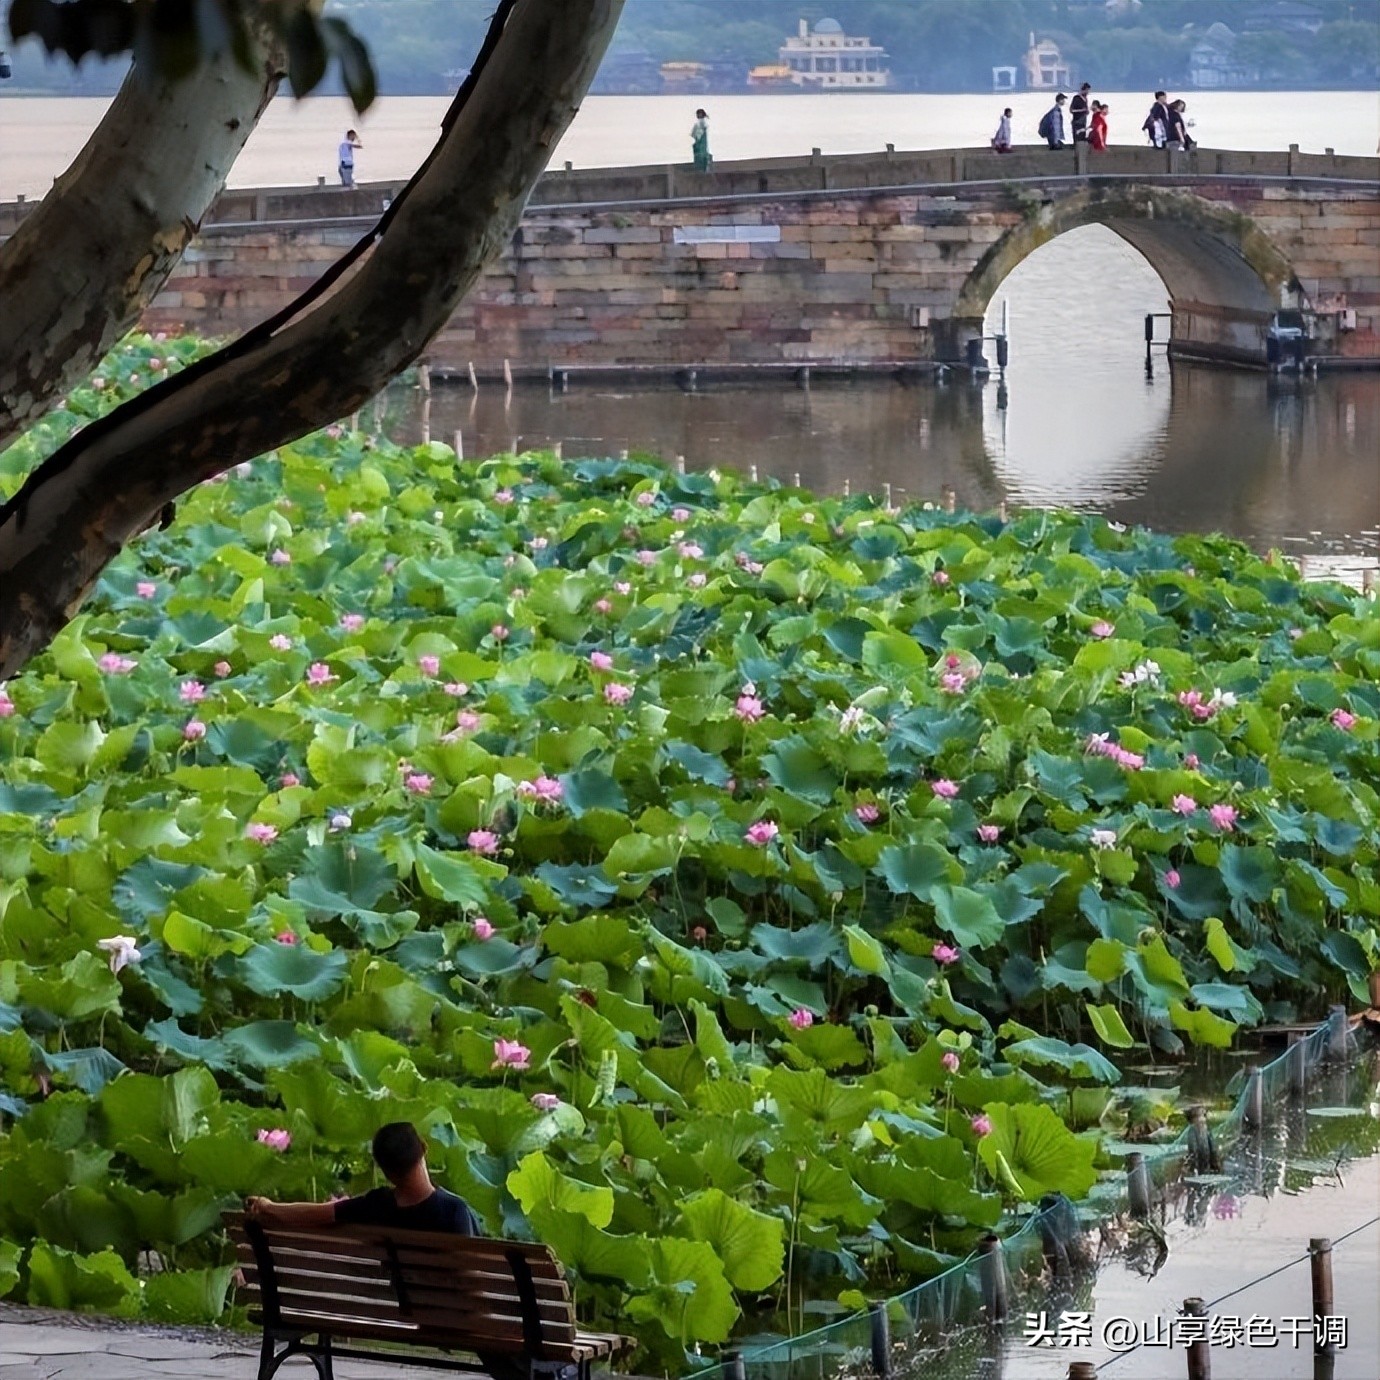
column 771, row 76
column 1285, row 17
column 1003, row 79
column 825, row 58
column 684, row 78
column 1212, row 61
column 1045, row 68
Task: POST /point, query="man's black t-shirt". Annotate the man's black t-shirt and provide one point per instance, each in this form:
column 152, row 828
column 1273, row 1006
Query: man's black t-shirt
column 443, row 1211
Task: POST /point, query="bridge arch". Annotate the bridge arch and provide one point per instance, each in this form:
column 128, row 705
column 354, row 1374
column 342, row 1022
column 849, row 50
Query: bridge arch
column 1225, row 277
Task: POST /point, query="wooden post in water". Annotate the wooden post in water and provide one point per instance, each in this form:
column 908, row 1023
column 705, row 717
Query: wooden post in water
column 508, row 375
column 992, row 1273
column 950, row 499
column 558, row 449
column 795, row 479
column 1138, row 1185
column 886, row 493
column 752, row 473
column 1324, row 1299
column 1337, row 1038
column 734, row 1367
column 881, row 1341
column 474, row 378
column 680, row 464
column 1254, row 1109
column 1082, row 1370
column 1199, row 1357
column 1296, row 1062
column 847, row 486
column 1203, row 1151
column 459, row 445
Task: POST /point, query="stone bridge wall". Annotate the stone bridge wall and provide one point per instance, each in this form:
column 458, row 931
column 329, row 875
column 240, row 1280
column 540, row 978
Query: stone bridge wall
column 831, row 260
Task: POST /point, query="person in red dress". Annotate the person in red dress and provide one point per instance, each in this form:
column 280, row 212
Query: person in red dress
column 1097, row 134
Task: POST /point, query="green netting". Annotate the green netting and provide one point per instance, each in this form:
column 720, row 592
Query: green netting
column 1037, row 1259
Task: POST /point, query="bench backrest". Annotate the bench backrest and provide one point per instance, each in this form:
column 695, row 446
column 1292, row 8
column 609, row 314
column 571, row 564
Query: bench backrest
column 427, row 1288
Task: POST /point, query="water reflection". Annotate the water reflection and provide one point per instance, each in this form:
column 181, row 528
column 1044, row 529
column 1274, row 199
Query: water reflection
column 1190, row 449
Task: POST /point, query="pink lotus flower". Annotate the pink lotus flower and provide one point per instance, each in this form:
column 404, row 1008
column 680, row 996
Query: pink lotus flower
column 699, row 934
column 981, row 1125
column 289, row 779
column 940, row 578
column 953, row 682
column 646, row 498
column 690, row 551
column 697, row 580
column 340, row 821
column 318, row 673
column 538, row 543
column 603, row 606
column 622, row 587
column 483, row 841
column 98, row 382
column 802, row 1018
column 645, row 557
column 122, row 949
column 146, row 589
column 1343, row 720
column 944, row 788
column 1191, row 761
column 1132, row 761
column 1223, row 817
column 749, row 708
column 193, row 731
column 417, row 783
column 950, row 1061
column 1183, row 805
column 466, row 720
column 616, row 693
column 762, row 832
column 1102, row 628
column 277, row 1139
column 429, row 665
column 457, row 688
column 866, row 812
column 6, row 704
column 503, row 497
column 680, row 514
column 191, row 692
column 499, row 632
column 482, row 927
column 155, row 362
column 601, row 661
column 280, row 557
column 511, row 1054
column 286, row 937
column 352, row 622
column 354, row 518
column 260, row 833
column 545, row 790
column 545, row 1102
column 944, row 954
column 989, row 833
column 280, row 642
column 222, row 669
column 1172, row 879
column 116, row 665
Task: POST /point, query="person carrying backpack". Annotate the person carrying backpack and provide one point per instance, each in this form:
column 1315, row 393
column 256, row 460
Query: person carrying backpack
column 1052, row 126
column 1157, row 121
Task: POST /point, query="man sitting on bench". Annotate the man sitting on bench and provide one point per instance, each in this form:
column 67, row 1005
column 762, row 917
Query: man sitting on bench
column 413, row 1203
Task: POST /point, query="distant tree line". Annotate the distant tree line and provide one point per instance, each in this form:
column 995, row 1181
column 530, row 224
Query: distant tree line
column 421, row 46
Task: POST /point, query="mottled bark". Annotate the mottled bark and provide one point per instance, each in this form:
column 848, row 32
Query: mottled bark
column 81, row 268
column 331, row 351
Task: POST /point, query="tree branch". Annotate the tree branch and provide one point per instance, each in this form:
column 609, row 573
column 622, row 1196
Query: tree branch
column 309, row 368
column 80, row 269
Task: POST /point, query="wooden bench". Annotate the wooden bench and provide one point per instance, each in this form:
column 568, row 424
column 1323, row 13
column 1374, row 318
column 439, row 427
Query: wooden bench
column 506, row 1302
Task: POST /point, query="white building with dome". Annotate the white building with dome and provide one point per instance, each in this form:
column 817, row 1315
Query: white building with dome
column 827, row 59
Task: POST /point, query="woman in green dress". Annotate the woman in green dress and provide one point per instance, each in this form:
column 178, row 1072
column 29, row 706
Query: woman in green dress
column 699, row 142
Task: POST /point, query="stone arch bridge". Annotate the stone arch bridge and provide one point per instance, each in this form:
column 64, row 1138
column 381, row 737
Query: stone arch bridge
column 870, row 260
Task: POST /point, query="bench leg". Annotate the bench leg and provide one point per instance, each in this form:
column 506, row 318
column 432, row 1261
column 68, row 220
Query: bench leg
column 319, row 1355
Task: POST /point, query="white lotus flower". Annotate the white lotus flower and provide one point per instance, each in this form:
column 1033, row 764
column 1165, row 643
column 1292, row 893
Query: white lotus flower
column 122, row 948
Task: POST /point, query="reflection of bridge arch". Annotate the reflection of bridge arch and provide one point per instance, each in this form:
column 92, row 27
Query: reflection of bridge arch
column 1225, row 277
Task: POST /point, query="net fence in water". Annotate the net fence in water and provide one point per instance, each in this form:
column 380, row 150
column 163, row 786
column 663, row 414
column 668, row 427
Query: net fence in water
column 1040, row 1265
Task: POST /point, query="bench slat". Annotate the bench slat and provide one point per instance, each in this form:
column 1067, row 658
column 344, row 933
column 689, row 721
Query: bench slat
column 377, row 1288
column 443, row 1338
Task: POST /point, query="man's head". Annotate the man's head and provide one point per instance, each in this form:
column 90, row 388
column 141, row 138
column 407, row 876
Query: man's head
column 1007, row 112
column 398, row 1150
column 350, row 134
column 1159, row 95
column 1086, row 87
column 1060, row 99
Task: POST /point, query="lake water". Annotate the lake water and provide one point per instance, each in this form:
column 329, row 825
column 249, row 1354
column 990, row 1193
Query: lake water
column 1078, row 422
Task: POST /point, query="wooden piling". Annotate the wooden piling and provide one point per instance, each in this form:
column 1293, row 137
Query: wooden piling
column 886, row 493
column 424, row 377
column 1199, row 1357
column 881, row 1341
column 474, row 377
column 1082, row 1370
column 992, row 1273
column 1337, row 1033
column 558, row 449
column 1254, row 1109
column 1324, row 1299
column 1138, row 1185
column 508, row 375
column 680, row 464
column 752, row 473
column 1202, row 1152
column 734, row 1366
column 950, row 499
column 1296, row 1064
column 459, row 446
column 795, row 479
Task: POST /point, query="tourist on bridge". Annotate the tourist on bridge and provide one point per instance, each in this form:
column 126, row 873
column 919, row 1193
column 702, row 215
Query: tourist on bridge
column 1097, row 136
column 1001, row 140
column 699, row 142
column 1179, row 137
column 1078, row 113
column 348, row 145
column 1052, row 126
column 1157, row 121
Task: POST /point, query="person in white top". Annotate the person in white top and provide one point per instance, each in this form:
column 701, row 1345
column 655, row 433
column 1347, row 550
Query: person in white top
column 1001, row 140
column 348, row 145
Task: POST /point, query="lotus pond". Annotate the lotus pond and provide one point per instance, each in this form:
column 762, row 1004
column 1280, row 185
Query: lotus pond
column 749, row 893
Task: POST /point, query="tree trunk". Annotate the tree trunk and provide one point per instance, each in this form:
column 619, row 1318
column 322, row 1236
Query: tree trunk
column 80, row 269
column 314, row 365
